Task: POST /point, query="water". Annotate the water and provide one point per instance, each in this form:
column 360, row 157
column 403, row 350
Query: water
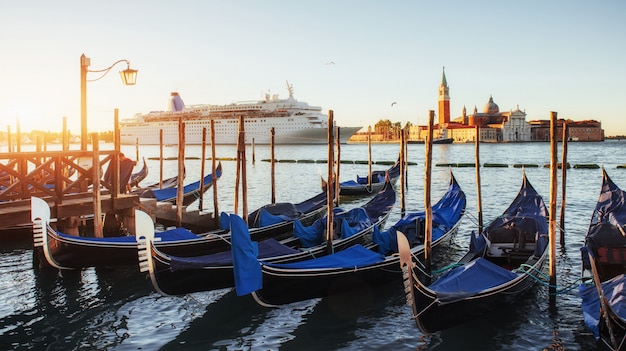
column 117, row 309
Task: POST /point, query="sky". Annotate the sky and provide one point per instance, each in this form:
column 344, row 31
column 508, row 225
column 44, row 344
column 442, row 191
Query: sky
column 355, row 57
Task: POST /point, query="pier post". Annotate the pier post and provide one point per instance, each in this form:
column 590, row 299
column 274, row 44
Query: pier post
column 552, row 209
column 181, row 170
column 18, row 135
column 272, row 165
column 479, row 202
column 216, row 217
column 9, row 143
column 331, row 183
column 244, row 173
column 115, row 160
column 65, row 143
column 95, row 167
column 160, row 158
column 402, row 170
column 428, row 227
column 563, row 182
column 338, row 163
column 202, row 162
column 369, row 156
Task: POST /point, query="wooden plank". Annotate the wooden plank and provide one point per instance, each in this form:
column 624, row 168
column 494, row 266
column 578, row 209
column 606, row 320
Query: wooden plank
column 18, row 213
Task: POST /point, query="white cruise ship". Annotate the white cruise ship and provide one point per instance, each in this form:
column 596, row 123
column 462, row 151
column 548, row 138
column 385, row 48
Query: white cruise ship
column 294, row 122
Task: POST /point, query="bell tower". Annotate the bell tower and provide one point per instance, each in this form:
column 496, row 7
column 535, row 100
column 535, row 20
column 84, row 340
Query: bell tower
column 444, row 100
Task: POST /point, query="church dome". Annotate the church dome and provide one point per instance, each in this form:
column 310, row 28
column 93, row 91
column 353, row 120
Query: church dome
column 491, row 107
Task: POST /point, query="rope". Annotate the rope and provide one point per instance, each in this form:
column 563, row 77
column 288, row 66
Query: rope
column 420, row 266
column 523, row 269
column 446, row 268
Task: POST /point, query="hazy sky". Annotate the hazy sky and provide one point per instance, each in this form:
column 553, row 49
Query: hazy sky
column 563, row 56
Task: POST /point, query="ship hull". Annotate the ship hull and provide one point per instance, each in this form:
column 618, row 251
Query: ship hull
column 226, row 131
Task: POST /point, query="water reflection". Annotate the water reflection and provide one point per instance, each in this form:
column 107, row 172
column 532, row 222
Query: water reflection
column 118, row 309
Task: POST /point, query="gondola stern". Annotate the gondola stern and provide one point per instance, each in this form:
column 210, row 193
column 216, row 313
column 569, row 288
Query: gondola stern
column 145, row 244
column 40, row 217
column 406, row 265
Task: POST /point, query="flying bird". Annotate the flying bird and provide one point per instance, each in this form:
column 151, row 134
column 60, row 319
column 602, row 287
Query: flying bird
column 393, row 103
column 330, row 63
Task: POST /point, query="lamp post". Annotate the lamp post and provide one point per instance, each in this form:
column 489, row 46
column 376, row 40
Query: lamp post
column 129, row 77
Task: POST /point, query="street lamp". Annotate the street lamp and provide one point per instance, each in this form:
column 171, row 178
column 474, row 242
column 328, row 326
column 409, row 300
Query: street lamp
column 129, row 77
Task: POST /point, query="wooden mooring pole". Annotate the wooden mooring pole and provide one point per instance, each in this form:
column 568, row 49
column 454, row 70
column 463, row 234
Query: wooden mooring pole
column 253, row 152
column 115, row 161
column 369, row 156
column 238, row 167
column 216, row 217
column 552, row 210
column 479, row 202
column 273, row 165
column 331, row 183
column 402, row 170
column 338, row 166
column 428, row 227
column 160, row 158
column 97, row 204
column 9, row 141
column 181, row 171
column 563, row 182
column 244, row 173
column 202, row 162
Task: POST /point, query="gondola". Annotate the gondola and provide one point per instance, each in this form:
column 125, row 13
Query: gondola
column 165, row 184
column 357, row 268
column 191, row 192
column 363, row 186
column 173, row 275
column 604, row 265
column 65, row 251
column 435, row 141
column 136, row 178
column 502, row 263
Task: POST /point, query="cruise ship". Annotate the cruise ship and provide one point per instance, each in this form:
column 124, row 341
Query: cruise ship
column 294, row 122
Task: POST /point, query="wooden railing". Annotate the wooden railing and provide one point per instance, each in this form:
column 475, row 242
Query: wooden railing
column 55, row 174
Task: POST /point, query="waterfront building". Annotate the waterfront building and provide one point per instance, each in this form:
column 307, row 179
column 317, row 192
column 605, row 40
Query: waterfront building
column 495, row 126
column 587, row 130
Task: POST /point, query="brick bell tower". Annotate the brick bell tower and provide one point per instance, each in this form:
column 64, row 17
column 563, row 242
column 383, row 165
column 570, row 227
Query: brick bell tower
column 444, row 100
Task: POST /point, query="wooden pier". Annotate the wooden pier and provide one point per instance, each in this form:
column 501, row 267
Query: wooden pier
column 64, row 179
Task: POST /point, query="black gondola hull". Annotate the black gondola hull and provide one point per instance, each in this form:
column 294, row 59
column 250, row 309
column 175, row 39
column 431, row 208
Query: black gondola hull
column 77, row 252
column 434, row 316
column 287, row 286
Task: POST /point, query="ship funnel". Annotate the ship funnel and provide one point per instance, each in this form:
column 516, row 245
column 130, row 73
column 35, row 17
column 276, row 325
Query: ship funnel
column 175, row 103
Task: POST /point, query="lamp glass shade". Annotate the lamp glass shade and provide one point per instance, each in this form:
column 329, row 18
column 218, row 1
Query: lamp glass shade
column 129, row 76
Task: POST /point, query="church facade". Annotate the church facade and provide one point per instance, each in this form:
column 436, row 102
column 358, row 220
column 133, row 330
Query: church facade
column 494, row 125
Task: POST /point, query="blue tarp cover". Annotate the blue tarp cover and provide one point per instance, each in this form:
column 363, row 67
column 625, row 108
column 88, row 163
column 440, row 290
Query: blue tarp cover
column 604, row 232
column 170, row 193
column 611, row 203
column 309, row 235
column 267, row 219
column 267, row 248
column 358, row 219
column 615, row 293
column 446, row 213
column 347, row 224
column 352, row 257
column 467, row 280
column 246, row 267
column 377, row 176
column 167, row 235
